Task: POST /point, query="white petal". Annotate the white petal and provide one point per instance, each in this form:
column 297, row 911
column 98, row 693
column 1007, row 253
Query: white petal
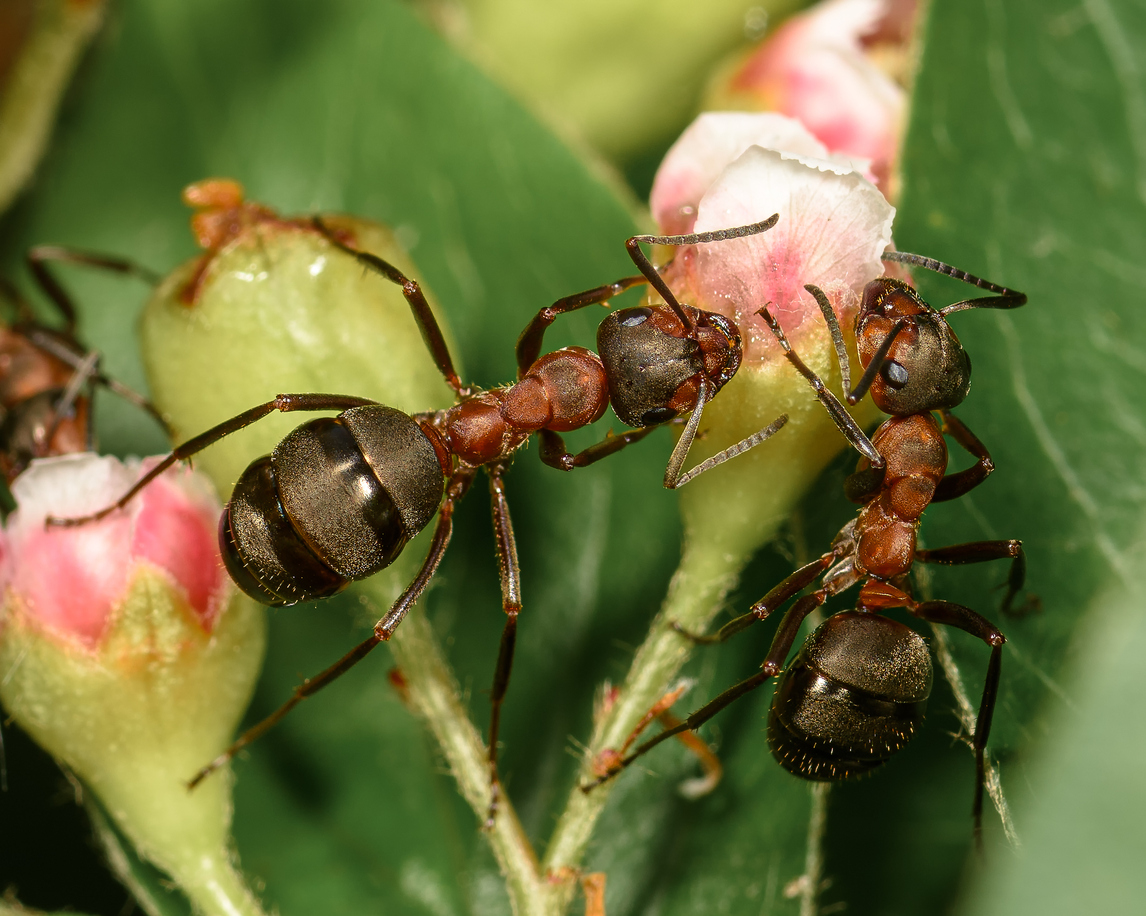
column 707, row 147
column 833, row 227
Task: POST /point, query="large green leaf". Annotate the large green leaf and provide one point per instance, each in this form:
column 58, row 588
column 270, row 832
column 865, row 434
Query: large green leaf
column 1025, row 162
column 362, row 108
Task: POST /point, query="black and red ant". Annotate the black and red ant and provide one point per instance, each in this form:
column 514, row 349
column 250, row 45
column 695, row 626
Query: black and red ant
column 46, row 374
column 339, row 498
column 857, row 689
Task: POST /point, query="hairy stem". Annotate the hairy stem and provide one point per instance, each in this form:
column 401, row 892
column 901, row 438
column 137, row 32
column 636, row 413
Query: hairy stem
column 433, row 693
column 703, row 579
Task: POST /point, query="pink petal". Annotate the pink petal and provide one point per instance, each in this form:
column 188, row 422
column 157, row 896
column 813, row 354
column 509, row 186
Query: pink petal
column 70, row 581
column 815, row 69
column 176, row 531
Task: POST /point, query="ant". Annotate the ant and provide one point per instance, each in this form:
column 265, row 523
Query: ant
column 46, row 374
column 857, row 688
column 339, row 498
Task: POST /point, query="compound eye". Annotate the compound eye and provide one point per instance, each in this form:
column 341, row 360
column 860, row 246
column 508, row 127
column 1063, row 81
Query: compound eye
column 894, row 374
column 633, row 317
column 657, row 415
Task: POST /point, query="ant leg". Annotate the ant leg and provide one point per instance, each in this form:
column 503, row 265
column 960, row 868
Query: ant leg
column 843, row 420
column 955, row 615
column 511, row 604
column 51, row 342
column 383, row 629
column 632, row 246
column 24, row 313
column 674, row 479
column 41, row 256
column 69, row 352
column 982, row 552
column 1006, row 298
column 772, row 665
column 529, row 343
column 65, row 406
column 283, row 403
column 609, row 758
column 697, row 786
column 554, row 453
column 953, row 486
column 423, row 314
column 762, row 609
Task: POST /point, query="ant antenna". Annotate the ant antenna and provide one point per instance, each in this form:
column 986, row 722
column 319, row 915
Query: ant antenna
column 1006, row 299
column 696, row 238
column 842, row 418
column 853, row 395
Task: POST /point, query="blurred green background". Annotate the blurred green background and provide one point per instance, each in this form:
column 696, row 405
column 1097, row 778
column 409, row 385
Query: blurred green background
column 1025, row 162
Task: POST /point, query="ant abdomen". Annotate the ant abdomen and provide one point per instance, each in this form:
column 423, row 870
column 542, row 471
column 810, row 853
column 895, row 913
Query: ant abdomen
column 336, row 501
column 851, row 698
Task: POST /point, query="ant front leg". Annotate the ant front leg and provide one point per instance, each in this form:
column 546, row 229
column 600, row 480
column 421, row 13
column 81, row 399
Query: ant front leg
column 423, row 314
column 65, row 406
column 843, row 420
column 510, row 572
column 982, row 552
column 554, row 453
column 956, row 615
column 952, row 486
column 762, row 609
column 284, row 403
column 458, row 484
column 529, row 343
column 773, row 663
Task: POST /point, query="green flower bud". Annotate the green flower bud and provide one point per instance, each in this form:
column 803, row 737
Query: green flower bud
column 130, row 657
column 273, row 307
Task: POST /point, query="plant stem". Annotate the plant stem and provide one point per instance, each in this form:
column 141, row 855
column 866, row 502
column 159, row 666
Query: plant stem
column 706, row 574
column 433, row 692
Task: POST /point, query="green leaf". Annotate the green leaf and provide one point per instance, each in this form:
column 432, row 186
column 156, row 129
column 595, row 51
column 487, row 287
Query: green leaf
column 364, row 109
column 1024, row 163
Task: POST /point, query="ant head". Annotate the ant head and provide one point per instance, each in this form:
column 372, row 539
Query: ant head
column 851, row 698
column 925, row 368
column 655, row 364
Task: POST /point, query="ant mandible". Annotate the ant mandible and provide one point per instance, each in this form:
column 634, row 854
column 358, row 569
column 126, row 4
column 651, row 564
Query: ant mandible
column 339, row 498
column 857, row 688
column 46, row 374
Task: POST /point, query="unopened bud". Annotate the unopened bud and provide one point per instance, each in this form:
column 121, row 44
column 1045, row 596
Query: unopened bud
column 127, row 654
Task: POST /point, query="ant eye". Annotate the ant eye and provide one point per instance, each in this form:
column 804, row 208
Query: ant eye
column 657, row 415
column 894, row 374
column 631, row 318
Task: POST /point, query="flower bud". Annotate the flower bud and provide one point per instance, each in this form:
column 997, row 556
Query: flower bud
column 127, row 654
column 271, row 307
column 833, row 227
column 840, row 68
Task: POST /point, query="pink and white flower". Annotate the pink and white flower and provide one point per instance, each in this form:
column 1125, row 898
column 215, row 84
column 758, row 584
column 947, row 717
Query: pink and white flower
column 70, row 583
column 839, row 68
column 127, row 654
column 834, row 224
